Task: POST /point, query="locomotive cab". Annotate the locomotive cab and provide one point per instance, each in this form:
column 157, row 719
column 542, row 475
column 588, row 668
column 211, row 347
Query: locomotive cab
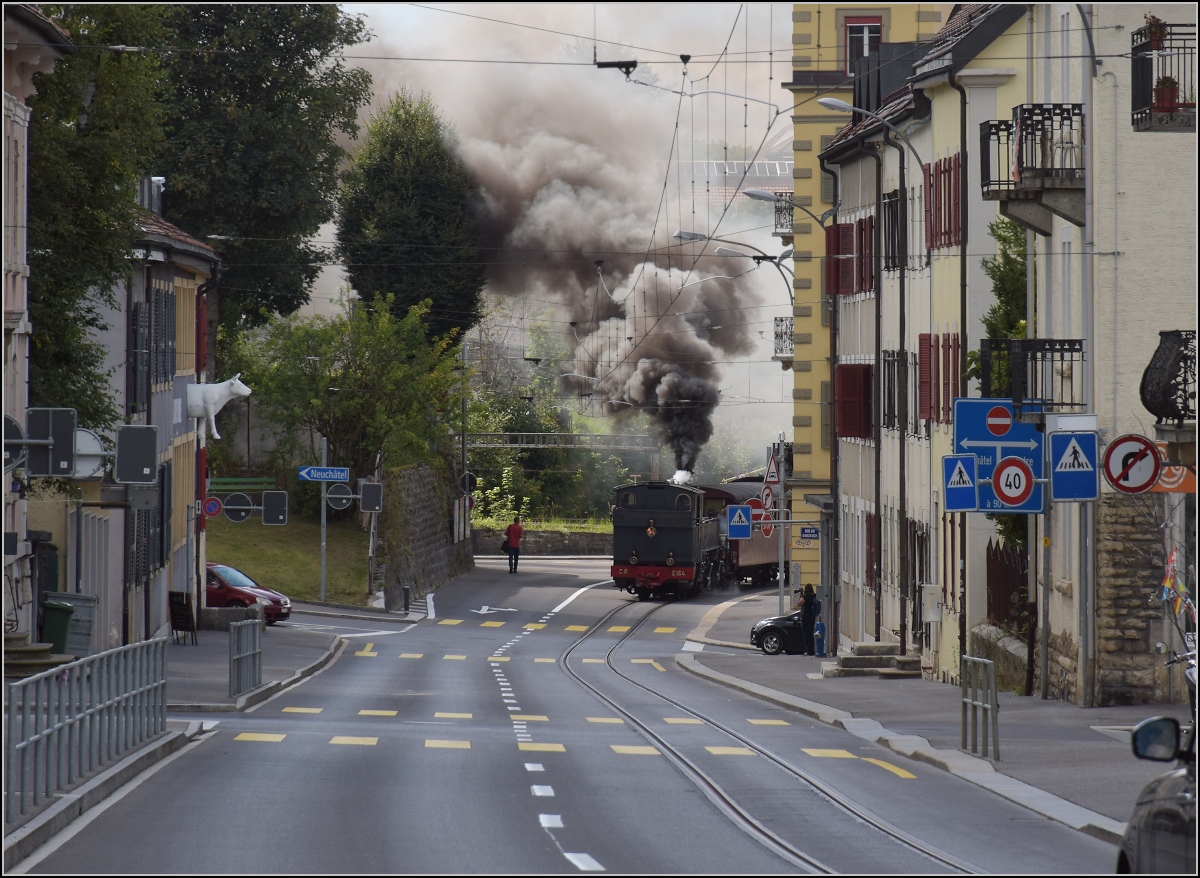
column 662, row 541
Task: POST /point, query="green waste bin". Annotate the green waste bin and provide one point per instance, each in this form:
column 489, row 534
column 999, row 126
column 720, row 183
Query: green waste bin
column 56, row 620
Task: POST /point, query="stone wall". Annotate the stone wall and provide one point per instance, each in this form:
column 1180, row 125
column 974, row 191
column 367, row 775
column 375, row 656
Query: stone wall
column 547, row 542
column 1129, row 620
column 415, row 533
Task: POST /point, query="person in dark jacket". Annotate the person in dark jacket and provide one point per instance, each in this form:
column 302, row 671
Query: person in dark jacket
column 808, row 618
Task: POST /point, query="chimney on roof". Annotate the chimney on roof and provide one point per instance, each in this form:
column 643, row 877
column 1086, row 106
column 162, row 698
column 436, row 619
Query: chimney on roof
column 150, row 191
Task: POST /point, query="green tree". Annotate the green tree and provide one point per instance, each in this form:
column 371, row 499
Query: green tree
column 259, row 99
column 405, row 223
column 1005, row 318
column 374, row 385
column 94, row 127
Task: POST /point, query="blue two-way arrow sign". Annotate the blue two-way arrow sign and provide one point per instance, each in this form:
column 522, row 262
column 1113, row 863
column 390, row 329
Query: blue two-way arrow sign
column 324, row 473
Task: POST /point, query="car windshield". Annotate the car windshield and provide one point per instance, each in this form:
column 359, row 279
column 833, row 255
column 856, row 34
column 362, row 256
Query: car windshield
column 236, row 578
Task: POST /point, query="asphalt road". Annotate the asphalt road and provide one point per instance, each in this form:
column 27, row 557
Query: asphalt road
column 539, row 725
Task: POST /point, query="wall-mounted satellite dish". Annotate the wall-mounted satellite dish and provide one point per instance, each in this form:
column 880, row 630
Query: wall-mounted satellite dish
column 89, row 455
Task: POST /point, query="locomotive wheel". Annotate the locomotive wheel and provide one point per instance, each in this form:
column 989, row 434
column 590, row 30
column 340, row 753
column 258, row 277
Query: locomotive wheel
column 772, row 643
column 643, row 594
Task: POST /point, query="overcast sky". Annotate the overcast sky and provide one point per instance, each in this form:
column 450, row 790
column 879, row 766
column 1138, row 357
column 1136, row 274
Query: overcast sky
column 577, row 157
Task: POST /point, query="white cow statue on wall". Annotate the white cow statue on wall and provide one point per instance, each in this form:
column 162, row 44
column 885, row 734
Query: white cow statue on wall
column 205, row 400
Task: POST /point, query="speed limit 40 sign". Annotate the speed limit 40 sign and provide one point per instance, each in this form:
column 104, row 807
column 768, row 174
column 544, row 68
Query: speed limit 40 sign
column 1012, row 481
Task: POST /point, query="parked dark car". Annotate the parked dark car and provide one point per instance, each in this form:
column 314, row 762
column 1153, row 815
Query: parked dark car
column 1161, row 834
column 229, row 587
column 778, row 634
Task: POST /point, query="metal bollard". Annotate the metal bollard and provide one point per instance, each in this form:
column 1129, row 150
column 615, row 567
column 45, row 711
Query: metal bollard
column 407, row 589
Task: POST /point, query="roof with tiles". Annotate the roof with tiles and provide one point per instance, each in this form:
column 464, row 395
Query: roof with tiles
column 895, row 105
column 55, row 34
column 153, row 224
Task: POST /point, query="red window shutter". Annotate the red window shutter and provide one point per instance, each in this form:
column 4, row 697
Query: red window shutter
column 846, row 266
column 867, row 376
column 956, row 232
column 858, row 255
column 869, row 262
column 955, row 372
column 928, row 207
column 831, row 261
column 924, row 375
column 935, row 383
column 869, row 542
column 946, row 370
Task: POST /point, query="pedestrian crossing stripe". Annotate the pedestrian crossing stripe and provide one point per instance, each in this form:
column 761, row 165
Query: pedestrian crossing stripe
column 1073, row 460
column 959, row 478
column 739, row 520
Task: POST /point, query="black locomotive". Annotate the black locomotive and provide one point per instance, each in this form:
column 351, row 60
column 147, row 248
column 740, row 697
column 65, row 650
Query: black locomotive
column 670, row 540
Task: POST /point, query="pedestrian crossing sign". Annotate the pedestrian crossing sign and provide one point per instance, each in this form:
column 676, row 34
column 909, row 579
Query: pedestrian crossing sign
column 1074, row 466
column 739, row 522
column 960, row 482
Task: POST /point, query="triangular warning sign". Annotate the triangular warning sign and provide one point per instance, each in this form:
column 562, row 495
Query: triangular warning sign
column 772, row 476
column 959, row 478
column 739, row 519
column 1073, row 460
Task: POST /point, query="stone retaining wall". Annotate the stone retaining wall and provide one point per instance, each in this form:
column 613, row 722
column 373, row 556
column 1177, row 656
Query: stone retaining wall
column 487, row 542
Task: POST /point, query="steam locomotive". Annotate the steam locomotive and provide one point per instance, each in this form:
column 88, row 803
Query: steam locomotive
column 672, row 540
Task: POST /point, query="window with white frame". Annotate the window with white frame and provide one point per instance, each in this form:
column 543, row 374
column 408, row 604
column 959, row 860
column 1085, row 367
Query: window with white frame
column 863, row 35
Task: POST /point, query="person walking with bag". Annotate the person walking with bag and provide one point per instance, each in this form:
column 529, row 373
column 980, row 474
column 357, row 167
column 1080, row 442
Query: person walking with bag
column 808, row 619
column 512, row 539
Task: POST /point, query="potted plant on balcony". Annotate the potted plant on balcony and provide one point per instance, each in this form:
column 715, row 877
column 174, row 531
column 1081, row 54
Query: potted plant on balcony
column 1166, row 94
column 1156, row 30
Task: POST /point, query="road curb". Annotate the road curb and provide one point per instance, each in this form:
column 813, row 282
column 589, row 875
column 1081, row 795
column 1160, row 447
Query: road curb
column 970, row 768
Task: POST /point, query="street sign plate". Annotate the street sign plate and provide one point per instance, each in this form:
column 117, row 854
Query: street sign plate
column 772, row 476
column 807, row 532
column 1012, row 480
column 960, row 482
column 767, row 497
column 988, row 429
column 238, row 507
column 14, row 442
column 137, row 455
column 1132, row 464
column 274, row 507
column 739, row 522
column 57, row 428
column 316, row 473
column 370, row 497
column 1074, row 466
column 213, row 506
column 339, row 496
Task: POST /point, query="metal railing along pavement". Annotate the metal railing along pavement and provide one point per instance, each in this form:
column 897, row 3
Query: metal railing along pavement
column 245, row 657
column 66, row 722
column 978, row 684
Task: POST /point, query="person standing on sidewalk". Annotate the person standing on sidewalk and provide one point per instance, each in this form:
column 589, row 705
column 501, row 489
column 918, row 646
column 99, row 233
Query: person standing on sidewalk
column 808, row 618
column 513, row 534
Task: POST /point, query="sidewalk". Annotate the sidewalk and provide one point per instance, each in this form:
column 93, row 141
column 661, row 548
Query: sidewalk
column 1071, row 764
column 1067, row 763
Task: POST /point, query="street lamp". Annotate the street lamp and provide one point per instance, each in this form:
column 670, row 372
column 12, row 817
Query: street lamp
column 777, row 261
column 764, row 195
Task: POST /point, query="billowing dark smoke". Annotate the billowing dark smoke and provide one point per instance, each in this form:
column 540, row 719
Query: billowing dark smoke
column 570, row 163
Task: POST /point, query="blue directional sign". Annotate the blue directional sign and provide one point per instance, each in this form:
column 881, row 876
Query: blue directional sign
column 324, row 473
column 808, row 532
column 739, row 522
column 988, row 429
column 1074, row 466
column 960, row 482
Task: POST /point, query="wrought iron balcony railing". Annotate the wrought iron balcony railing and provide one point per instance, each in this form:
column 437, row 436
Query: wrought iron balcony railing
column 783, row 213
column 1041, row 147
column 1163, row 86
column 785, row 342
column 1169, row 383
column 1043, row 374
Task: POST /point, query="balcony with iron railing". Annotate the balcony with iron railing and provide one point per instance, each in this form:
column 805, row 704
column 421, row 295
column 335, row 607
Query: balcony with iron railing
column 1033, row 164
column 784, row 210
column 785, row 342
column 1163, row 86
column 1168, row 392
column 1040, row 375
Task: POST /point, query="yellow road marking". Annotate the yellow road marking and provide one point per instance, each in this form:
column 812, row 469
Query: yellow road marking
column 534, row 626
column 530, row 718
column 606, row 719
column 648, row 662
column 441, row 715
column 619, row 629
column 831, row 754
column 634, row 750
column 433, row 743
column 412, row 655
column 346, row 739
column 259, row 736
column 454, row 658
column 769, row 722
column 577, row 628
column 377, row 713
column 491, row 624
column 543, row 748
column 593, row 661
column 664, row 630
column 683, row 721
column 302, row 709
column 497, row 658
column 450, row 622
column 894, row 769
column 366, row 650
column 545, row 661
column 730, row 751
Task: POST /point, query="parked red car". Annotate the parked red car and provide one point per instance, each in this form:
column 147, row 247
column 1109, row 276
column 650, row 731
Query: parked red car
column 229, row 587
